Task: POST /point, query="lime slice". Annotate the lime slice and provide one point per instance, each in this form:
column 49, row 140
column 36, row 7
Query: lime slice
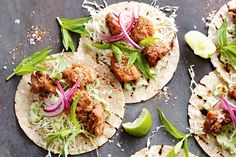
column 141, row 125
column 200, row 44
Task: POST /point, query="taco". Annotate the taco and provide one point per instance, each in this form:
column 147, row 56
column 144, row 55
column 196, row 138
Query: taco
column 212, row 116
column 222, row 32
column 138, row 42
column 157, row 151
column 71, row 112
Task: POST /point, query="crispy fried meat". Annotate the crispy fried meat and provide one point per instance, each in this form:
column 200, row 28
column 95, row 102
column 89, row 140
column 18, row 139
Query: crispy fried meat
column 90, row 114
column 153, row 53
column 215, row 123
column 79, row 72
column 232, row 92
column 41, row 82
column 112, row 24
column 142, row 29
column 120, row 71
column 232, row 12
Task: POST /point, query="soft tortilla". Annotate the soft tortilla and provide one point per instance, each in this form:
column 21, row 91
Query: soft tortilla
column 158, row 151
column 165, row 74
column 110, row 90
column 203, row 91
column 225, row 70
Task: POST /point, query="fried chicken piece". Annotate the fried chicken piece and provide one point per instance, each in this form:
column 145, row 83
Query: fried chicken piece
column 214, row 123
column 41, row 82
column 232, row 92
column 232, row 12
column 154, row 53
column 120, row 71
column 81, row 73
column 112, row 24
column 142, row 29
column 90, row 114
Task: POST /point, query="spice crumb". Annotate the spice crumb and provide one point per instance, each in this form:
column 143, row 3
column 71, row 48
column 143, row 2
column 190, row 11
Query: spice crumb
column 17, row 21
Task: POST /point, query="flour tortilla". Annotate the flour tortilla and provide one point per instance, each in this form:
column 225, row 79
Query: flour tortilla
column 110, row 90
column 158, row 151
column 225, row 70
column 202, row 92
column 166, row 72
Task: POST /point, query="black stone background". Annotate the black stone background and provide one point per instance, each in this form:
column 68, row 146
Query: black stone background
column 14, row 142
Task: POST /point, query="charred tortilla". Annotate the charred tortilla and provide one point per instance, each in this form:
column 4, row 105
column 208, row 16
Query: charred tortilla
column 157, row 150
column 225, row 70
column 196, row 113
column 165, row 31
column 110, row 90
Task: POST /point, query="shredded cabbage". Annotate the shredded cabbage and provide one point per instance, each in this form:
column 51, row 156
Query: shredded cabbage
column 227, row 139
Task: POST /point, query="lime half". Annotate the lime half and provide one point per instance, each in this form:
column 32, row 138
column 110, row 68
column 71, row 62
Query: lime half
column 141, row 125
column 200, row 44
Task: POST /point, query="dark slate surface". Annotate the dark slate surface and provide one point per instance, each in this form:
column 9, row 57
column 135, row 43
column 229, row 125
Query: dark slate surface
column 13, row 141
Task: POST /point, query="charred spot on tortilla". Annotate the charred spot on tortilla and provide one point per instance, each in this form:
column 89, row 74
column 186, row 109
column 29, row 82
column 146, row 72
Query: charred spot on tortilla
column 203, row 140
column 160, row 150
column 203, row 111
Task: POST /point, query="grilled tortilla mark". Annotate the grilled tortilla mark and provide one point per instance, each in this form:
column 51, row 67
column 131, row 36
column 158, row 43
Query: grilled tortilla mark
column 221, row 17
column 161, row 150
column 204, row 112
column 107, row 121
column 203, row 140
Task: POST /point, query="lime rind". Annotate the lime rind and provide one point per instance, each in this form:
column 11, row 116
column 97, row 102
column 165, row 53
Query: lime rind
column 140, row 126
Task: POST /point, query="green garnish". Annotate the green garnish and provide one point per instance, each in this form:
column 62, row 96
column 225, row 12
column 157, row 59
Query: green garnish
column 227, row 49
column 134, row 56
column 132, row 59
column 177, row 134
column 148, row 41
column 143, row 66
column 169, row 127
column 62, row 64
column 72, row 112
column 103, row 46
column 30, row 63
column 74, row 25
column 117, row 52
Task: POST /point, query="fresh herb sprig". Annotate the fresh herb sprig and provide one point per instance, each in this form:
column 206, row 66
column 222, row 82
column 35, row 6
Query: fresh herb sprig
column 227, row 49
column 74, row 25
column 148, row 41
column 30, row 63
column 134, row 56
column 177, row 134
column 62, row 64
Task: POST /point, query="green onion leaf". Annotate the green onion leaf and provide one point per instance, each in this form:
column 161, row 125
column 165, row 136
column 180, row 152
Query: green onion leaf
column 30, row 63
column 103, row 46
column 143, row 66
column 148, row 41
column 125, row 48
column 171, row 153
column 72, row 112
column 117, row 52
column 64, row 151
column 67, row 40
column 186, row 152
column 62, row 64
column 132, row 59
column 222, row 34
column 169, row 127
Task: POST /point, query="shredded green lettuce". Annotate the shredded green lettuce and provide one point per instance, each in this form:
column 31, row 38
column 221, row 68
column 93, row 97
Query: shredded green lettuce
column 227, row 139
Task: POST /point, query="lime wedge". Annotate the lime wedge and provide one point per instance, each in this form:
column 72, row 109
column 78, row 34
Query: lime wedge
column 200, row 44
column 141, row 125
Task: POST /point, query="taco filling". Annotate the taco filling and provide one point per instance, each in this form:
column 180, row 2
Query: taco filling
column 213, row 114
column 71, row 106
column 139, row 44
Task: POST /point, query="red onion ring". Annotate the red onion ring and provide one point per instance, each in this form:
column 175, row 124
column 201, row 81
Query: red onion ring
column 121, row 17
